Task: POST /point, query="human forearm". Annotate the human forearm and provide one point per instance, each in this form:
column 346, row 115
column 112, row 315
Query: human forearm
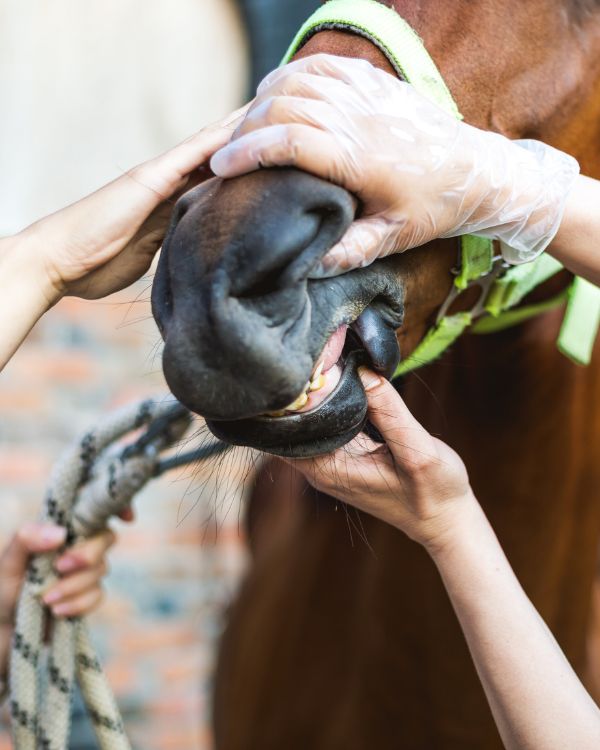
column 26, row 291
column 536, row 698
column 577, row 243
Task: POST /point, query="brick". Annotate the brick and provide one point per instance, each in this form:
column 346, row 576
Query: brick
column 21, row 465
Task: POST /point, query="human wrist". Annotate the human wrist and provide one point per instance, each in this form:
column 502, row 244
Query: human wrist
column 552, row 177
column 23, row 263
column 534, row 181
column 458, row 525
column 515, row 192
column 28, row 292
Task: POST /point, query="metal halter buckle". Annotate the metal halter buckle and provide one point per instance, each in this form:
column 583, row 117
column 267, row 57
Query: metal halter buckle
column 485, row 282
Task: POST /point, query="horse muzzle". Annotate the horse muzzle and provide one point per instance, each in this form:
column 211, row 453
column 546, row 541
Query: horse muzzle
column 267, row 355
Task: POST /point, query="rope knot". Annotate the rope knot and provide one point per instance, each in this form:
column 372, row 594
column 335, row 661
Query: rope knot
column 94, row 480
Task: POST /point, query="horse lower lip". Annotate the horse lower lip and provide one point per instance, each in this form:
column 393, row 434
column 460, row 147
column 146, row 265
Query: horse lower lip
column 337, row 420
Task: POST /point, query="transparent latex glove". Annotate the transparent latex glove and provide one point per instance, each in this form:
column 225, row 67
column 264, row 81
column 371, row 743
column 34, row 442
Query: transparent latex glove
column 418, row 172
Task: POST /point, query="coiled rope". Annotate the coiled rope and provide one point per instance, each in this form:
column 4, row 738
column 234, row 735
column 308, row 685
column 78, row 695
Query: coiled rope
column 88, row 485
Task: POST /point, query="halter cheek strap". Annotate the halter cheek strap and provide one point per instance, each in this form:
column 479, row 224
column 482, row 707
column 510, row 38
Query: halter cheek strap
column 502, row 286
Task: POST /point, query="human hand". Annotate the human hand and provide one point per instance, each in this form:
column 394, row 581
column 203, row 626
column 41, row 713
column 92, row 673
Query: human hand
column 418, row 171
column 107, row 240
column 81, row 569
column 414, row 481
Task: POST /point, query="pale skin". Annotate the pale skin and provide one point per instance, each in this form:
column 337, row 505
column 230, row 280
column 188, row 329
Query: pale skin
column 97, row 246
column 80, row 570
column 414, row 482
column 102, row 243
column 418, row 484
column 575, row 243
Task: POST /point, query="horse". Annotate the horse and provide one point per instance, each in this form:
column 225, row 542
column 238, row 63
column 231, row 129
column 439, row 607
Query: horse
column 342, row 634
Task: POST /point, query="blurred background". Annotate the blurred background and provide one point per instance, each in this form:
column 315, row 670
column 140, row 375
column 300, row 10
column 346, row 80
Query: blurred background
column 88, row 89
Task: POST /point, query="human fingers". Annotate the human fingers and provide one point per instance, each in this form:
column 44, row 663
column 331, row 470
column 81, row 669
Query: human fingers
column 31, row 538
column 127, row 515
column 164, row 174
column 354, row 468
column 296, row 145
column 74, row 584
column 285, row 110
column 79, row 605
column 409, row 443
column 344, row 69
column 131, row 198
column 365, row 240
column 86, row 554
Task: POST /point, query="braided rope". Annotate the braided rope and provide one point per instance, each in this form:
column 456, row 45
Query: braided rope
column 86, row 488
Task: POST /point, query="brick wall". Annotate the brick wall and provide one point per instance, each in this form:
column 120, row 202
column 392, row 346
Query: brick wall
column 175, row 568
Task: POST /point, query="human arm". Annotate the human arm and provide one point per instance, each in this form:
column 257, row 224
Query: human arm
column 78, row 590
column 418, row 172
column 100, row 244
column 578, row 238
column 419, row 485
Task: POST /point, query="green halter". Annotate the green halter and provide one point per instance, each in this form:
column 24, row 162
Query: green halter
column 502, row 286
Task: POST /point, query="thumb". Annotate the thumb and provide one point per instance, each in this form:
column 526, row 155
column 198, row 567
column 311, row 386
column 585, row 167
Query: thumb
column 408, row 441
column 365, row 241
column 30, row 539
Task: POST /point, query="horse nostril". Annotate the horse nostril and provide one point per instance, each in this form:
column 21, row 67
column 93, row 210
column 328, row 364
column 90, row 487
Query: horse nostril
column 290, row 223
column 280, row 264
column 264, row 285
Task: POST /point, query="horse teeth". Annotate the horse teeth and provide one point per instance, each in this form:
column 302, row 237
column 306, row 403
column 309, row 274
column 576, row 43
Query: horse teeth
column 275, row 414
column 298, row 403
column 317, row 371
column 317, row 383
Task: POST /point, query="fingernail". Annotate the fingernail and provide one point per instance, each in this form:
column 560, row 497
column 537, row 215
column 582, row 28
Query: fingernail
column 218, row 161
column 53, row 534
column 61, row 609
column 67, row 563
column 323, row 270
column 52, row 596
column 368, row 378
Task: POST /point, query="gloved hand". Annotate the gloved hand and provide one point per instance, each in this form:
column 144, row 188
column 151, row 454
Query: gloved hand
column 418, row 172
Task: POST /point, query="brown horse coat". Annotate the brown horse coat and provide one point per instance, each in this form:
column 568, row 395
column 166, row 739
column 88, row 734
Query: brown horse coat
column 343, row 636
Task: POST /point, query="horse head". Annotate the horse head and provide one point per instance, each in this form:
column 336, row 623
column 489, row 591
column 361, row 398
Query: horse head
column 248, row 332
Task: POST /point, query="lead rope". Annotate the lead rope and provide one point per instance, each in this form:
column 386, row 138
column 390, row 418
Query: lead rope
column 87, row 487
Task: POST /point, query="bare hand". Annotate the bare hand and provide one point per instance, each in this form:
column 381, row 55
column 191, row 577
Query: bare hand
column 414, row 482
column 107, row 240
column 81, row 568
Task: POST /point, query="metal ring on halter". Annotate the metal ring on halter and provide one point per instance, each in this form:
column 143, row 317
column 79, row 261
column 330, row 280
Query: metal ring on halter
column 485, row 282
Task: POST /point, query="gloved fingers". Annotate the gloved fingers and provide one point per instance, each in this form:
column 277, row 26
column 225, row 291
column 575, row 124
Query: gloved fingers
column 365, row 240
column 301, row 146
column 286, row 110
column 307, row 86
column 345, row 69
